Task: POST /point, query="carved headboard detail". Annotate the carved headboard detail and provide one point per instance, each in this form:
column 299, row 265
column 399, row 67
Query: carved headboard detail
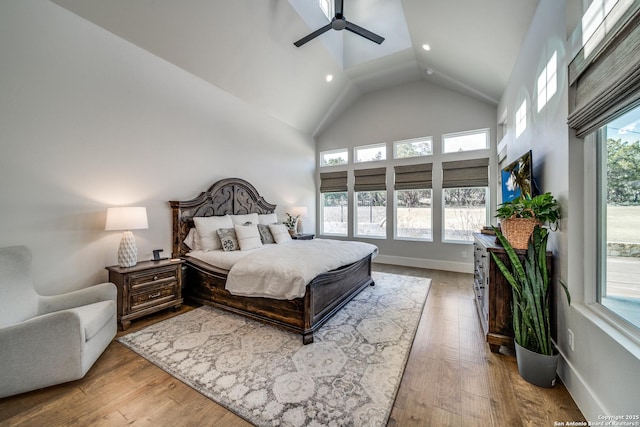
column 233, row 196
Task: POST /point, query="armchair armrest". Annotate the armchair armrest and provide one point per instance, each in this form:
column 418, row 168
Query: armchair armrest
column 40, row 351
column 96, row 293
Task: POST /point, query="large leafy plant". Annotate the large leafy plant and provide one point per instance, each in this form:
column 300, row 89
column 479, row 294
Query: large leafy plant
column 529, row 280
column 542, row 207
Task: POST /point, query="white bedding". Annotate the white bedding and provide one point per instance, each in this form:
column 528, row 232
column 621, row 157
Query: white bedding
column 283, row 271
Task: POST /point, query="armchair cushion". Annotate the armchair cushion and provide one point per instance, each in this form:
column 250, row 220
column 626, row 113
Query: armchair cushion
column 94, row 316
column 18, row 298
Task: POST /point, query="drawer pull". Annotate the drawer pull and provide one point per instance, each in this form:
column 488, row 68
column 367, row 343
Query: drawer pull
column 156, row 295
column 155, row 278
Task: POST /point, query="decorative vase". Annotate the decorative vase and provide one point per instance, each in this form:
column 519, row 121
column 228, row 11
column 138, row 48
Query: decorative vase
column 535, row 368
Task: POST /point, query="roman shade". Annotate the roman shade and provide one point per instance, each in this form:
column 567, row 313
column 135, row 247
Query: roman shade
column 331, row 182
column 606, row 82
column 412, row 177
column 465, row 173
column 370, row 179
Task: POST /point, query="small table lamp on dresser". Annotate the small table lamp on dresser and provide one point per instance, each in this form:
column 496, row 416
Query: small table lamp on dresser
column 127, row 219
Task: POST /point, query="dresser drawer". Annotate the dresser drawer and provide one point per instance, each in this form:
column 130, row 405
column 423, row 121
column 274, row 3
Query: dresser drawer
column 153, row 293
column 142, row 280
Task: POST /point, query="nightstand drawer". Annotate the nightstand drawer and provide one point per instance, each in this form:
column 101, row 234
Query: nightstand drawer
column 153, row 278
column 162, row 291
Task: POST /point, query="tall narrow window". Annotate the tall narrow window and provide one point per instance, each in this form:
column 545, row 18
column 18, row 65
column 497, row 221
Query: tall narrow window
column 548, row 81
column 334, row 207
column 521, row 118
column 464, row 197
column 371, row 202
column 619, row 209
column 413, row 202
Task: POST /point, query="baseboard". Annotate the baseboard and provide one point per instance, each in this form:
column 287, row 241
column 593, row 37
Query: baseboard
column 584, row 397
column 458, row 267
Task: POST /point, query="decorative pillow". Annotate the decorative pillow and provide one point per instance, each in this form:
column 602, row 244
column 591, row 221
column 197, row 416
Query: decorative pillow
column 280, row 233
column 267, row 219
column 265, row 234
column 243, row 219
column 228, row 239
column 207, row 227
column 248, row 236
column 190, row 240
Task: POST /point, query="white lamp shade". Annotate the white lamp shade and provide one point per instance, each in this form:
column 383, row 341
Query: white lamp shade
column 126, row 218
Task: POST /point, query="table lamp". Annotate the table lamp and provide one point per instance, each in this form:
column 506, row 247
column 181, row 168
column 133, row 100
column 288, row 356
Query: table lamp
column 127, row 218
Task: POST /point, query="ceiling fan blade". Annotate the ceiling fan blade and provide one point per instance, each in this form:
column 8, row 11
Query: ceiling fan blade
column 337, row 9
column 364, row 33
column 313, row 35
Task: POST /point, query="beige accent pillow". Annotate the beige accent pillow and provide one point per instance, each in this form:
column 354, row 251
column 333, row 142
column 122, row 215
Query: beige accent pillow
column 280, row 233
column 248, row 236
column 207, row 228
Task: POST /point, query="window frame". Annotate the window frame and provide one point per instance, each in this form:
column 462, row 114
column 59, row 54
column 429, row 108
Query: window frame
column 395, row 218
column 543, row 89
column 520, row 119
column 335, row 151
column 322, row 221
column 383, row 145
column 409, row 141
column 386, row 215
column 487, row 203
column 487, row 140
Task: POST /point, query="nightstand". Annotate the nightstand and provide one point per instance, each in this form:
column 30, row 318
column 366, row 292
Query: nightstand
column 303, row 236
column 147, row 287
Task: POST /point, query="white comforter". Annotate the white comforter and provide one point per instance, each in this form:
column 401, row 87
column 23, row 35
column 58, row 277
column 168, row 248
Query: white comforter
column 284, row 270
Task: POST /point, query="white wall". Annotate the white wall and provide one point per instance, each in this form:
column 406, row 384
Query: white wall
column 89, row 121
column 413, row 110
column 601, row 374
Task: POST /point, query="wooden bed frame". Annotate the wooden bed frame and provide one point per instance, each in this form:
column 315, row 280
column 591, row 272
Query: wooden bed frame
column 324, row 295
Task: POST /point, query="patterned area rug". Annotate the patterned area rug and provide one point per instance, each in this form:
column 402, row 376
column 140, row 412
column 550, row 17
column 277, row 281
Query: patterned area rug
column 348, row 376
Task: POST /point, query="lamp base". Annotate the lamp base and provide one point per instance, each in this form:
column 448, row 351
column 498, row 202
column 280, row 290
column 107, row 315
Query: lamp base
column 127, row 251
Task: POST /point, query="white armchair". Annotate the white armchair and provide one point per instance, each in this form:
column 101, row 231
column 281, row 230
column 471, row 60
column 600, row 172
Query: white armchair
column 47, row 340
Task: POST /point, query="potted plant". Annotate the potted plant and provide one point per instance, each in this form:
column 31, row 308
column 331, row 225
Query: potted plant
column 529, row 279
column 292, row 223
column 521, row 215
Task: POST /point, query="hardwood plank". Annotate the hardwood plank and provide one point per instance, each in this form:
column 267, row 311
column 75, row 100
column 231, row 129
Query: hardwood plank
column 451, row 379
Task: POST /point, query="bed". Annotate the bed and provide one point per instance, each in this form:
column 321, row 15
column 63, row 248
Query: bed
column 204, row 283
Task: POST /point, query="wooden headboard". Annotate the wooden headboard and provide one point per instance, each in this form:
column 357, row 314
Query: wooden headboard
column 233, row 196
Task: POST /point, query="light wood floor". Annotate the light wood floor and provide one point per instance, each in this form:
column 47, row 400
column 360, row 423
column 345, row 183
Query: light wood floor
column 451, row 379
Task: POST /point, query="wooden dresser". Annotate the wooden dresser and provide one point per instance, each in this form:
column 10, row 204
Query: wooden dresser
column 493, row 292
column 147, row 287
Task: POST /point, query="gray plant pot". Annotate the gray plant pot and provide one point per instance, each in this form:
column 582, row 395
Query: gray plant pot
column 536, row 368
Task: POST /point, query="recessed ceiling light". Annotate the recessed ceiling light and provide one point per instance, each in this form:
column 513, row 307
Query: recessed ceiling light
column 426, row 47
column 329, row 77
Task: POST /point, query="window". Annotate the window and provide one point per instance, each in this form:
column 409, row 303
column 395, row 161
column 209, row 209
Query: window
column 412, row 202
column 327, row 8
column 334, row 213
column 334, row 157
column 371, row 202
column 371, row 214
column 464, row 196
column 521, row 118
column 465, row 213
column 619, row 211
column 413, row 214
column 370, row 153
column 413, row 148
column 547, row 81
column 334, row 207
column 465, row 141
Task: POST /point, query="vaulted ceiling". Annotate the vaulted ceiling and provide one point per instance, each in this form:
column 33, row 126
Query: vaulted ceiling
column 245, row 47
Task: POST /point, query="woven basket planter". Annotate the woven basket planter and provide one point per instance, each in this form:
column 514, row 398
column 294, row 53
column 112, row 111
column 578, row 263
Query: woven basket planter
column 517, row 231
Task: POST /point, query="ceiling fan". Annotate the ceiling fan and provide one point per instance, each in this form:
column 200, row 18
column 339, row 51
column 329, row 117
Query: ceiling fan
column 339, row 22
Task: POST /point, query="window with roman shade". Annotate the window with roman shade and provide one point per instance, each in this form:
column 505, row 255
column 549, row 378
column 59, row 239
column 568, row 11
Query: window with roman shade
column 606, row 80
column 374, row 179
column 465, row 173
column 411, row 177
column 331, row 182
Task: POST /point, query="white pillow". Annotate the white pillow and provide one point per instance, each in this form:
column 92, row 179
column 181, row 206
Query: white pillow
column 190, row 240
column 280, row 233
column 207, row 228
column 243, row 219
column 248, row 236
column 267, row 219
